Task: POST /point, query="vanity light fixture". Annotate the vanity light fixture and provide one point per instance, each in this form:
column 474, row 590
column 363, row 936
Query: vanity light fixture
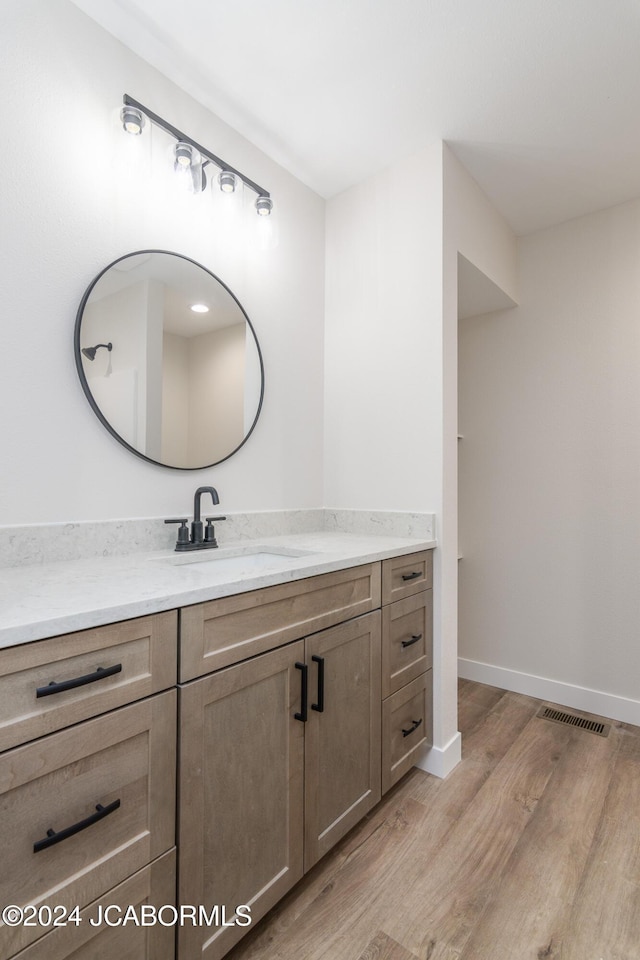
column 90, row 352
column 188, row 154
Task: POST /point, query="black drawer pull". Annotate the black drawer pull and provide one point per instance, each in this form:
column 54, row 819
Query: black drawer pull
column 304, row 683
column 414, row 639
column 53, row 837
column 319, row 706
column 63, row 685
column 414, row 726
column 412, row 576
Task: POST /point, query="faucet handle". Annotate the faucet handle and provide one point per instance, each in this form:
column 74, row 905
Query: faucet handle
column 210, row 533
column 183, row 532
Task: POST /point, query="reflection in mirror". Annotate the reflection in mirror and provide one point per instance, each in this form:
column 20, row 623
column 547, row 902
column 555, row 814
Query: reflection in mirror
column 183, row 380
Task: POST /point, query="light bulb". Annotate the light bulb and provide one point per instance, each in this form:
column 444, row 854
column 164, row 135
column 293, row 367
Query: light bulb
column 183, row 153
column 187, row 164
column 227, row 181
column 132, row 120
column 264, row 206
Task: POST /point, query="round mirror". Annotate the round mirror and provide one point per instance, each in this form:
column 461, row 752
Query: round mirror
column 168, row 360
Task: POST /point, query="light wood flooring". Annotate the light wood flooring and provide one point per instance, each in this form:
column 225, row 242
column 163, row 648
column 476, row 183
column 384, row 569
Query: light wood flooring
column 529, row 850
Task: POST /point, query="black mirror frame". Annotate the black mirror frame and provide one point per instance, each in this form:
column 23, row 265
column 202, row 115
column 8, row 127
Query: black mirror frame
column 87, row 390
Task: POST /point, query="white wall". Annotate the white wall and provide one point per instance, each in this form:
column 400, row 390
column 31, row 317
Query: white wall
column 384, row 367
column 474, row 229
column 74, row 196
column 383, row 328
column 391, row 364
column 550, row 472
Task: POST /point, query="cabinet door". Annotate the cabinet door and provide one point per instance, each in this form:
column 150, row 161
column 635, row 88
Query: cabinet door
column 241, row 794
column 342, row 739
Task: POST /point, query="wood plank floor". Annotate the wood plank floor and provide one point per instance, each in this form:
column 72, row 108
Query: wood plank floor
column 529, row 850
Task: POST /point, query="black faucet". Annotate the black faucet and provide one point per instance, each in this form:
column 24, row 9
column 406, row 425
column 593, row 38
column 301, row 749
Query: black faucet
column 197, row 532
column 200, row 539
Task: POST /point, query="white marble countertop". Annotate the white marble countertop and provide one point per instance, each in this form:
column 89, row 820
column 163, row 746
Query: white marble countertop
column 46, row 600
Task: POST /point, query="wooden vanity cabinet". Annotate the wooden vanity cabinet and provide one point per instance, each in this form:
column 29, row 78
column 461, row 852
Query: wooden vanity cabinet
column 298, row 704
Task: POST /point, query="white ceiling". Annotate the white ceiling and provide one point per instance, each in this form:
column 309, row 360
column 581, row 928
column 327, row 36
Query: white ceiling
column 539, row 99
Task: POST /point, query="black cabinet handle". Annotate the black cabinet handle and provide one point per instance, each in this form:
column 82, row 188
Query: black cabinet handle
column 52, row 837
column 304, row 682
column 414, row 639
column 63, row 685
column 411, row 576
column 319, row 706
column 414, row 726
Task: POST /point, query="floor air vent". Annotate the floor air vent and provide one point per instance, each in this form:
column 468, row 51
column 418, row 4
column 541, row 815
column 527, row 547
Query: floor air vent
column 561, row 716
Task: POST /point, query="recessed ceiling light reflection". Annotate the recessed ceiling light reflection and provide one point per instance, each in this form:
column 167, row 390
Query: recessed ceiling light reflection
column 200, row 308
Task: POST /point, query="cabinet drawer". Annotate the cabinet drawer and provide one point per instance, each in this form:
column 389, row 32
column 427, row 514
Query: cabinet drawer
column 141, row 653
column 105, row 790
column 404, row 576
column 410, row 709
column 154, row 885
column 407, row 640
column 222, row 632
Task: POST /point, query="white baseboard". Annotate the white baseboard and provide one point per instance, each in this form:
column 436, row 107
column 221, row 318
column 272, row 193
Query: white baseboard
column 440, row 761
column 606, row 705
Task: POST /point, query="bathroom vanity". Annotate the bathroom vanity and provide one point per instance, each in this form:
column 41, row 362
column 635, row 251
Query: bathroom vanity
column 208, row 752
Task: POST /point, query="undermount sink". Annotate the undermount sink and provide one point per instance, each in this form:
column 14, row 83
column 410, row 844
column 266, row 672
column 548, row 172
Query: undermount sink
column 251, row 558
